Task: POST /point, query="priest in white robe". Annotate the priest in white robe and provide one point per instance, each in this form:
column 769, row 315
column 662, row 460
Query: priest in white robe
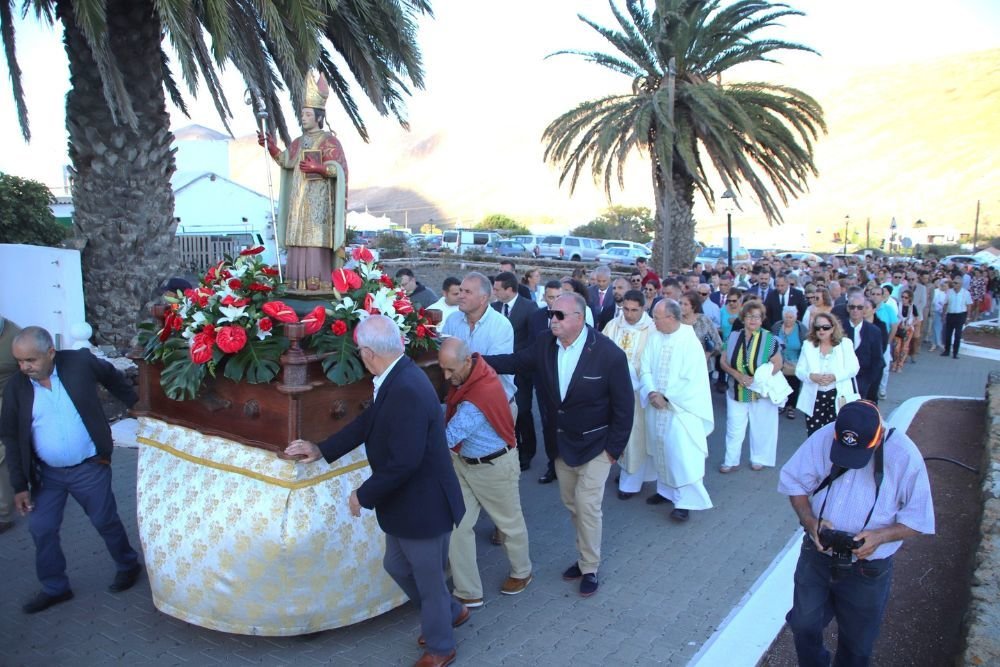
column 674, row 390
column 630, row 330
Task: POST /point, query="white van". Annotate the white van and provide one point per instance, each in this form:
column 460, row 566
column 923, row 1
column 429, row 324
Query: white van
column 461, row 241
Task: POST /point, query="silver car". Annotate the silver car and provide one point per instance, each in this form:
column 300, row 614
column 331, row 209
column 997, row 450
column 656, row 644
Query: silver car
column 573, row 248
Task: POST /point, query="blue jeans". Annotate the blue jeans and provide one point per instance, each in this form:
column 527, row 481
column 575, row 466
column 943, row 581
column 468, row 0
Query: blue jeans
column 90, row 485
column 856, row 598
column 417, row 566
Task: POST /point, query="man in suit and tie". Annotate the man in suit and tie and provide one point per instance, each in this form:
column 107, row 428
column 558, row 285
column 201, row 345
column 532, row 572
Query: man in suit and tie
column 538, row 323
column 612, row 307
column 59, row 443
column 599, row 293
column 518, row 311
column 583, row 377
column 781, row 296
column 413, row 488
column 867, row 345
column 508, row 266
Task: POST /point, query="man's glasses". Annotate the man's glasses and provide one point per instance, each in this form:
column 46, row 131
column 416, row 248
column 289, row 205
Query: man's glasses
column 560, row 315
column 823, row 327
column 732, row 300
column 855, row 308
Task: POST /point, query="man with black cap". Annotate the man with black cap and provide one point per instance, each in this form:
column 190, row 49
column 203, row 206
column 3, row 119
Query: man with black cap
column 870, row 483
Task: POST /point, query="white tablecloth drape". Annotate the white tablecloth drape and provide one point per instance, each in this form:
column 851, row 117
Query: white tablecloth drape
column 238, row 540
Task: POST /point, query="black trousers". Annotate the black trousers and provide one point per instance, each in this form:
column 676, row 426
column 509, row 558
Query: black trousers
column 953, row 323
column 524, row 427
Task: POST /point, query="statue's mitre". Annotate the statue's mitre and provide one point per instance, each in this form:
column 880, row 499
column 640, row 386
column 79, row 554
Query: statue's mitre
column 317, row 91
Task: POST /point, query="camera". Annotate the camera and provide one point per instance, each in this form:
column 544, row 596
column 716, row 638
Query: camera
column 841, row 544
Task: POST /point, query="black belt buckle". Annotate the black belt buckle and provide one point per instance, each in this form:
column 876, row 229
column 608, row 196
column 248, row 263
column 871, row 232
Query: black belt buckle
column 486, row 459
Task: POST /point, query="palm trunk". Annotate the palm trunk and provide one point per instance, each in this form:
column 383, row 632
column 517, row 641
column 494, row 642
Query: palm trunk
column 673, row 245
column 122, row 195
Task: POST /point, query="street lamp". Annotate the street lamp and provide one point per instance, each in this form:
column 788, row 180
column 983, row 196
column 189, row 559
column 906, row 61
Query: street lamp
column 729, row 204
column 847, row 221
column 892, row 234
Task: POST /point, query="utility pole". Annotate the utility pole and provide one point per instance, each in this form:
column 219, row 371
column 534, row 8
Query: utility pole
column 667, row 170
column 975, row 231
column 847, row 222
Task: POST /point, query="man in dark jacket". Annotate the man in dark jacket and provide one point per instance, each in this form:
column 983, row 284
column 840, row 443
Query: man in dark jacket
column 583, row 378
column 413, row 488
column 59, row 443
column 868, row 346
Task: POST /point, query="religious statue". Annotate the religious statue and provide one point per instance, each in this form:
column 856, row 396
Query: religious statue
column 313, row 195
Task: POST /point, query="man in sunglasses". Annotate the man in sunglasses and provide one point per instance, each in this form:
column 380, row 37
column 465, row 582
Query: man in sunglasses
column 584, row 383
column 867, row 344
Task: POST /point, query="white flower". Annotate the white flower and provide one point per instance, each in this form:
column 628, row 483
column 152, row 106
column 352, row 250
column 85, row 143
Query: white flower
column 232, row 313
column 262, row 334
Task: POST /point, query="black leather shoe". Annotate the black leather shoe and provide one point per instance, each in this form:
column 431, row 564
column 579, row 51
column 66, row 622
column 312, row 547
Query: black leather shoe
column 548, row 477
column 589, row 584
column 624, row 495
column 43, row 601
column 679, row 515
column 572, row 572
column 655, row 499
column 125, row 579
column 525, row 465
column 946, row 353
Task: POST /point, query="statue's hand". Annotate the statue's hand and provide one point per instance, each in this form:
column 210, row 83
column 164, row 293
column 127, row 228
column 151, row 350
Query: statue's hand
column 310, row 167
column 272, row 146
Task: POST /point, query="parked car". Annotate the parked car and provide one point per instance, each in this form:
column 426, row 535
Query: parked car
column 530, row 241
column 960, row 259
column 625, row 244
column 799, row 255
column 507, row 248
column 712, row 254
column 573, row 248
column 622, row 256
column 461, row 241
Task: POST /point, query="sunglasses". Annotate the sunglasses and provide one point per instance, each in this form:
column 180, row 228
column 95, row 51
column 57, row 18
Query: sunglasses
column 822, row 327
column 855, row 308
column 559, row 315
column 732, row 300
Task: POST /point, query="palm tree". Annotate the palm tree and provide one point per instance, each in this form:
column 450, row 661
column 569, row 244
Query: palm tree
column 119, row 130
column 753, row 134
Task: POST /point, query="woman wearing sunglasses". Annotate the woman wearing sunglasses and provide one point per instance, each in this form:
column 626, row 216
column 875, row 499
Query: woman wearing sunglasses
column 827, row 367
column 909, row 315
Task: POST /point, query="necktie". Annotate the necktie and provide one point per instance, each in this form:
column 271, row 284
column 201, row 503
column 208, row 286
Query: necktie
column 783, row 301
column 506, row 310
column 600, row 299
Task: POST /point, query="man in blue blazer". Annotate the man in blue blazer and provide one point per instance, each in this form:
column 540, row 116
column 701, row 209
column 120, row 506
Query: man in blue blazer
column 413, row 488
column 583, row 379
column 59, row 443
column 869, row 349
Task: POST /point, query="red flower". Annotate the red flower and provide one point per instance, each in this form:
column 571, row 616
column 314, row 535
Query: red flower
column 201, row 348
column 230, row 300
column 170, row 323
column 260, row 287
column 265, row 324
column 421, row 331
column 402, row 306
column 362, row 254
column 209, row 330
column 279, row 311
column 268, row 271
column 345, row 281
column 210, row 275
column 235, row 284
column 252, row 251
column 231, row 339
column 387, row 281
column 339, row 327
column 226, row 274
column 370, row 304
column 314, row 320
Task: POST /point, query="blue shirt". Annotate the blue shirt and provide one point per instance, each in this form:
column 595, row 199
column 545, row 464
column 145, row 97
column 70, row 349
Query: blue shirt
column 60, row 436
column 491, row 334
column 470, row 427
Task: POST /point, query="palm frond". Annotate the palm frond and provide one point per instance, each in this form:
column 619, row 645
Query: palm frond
column 13, row 68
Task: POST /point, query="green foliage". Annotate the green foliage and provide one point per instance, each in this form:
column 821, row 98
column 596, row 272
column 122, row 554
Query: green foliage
column 502, row 223
column 25, row 216
column 754, row 134
column 181, row 378
column 343, row 363
column 258, row 361
column 626, row 223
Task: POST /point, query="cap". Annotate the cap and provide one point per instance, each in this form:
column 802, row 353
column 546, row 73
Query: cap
column 857, row 433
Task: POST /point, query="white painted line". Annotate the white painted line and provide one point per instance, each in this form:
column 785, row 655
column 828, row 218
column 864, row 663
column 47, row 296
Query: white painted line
column 752, row 625
column 750, row 628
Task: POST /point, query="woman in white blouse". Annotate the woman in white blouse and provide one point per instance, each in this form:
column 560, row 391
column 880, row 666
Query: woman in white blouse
column 827, row 366
column 939, row 301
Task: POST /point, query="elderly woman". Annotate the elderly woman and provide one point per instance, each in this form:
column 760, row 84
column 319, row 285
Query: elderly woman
column 826, row 367
column 819, row 302
column 791, row 334
column 746, row 351
column 909, row 316
column 704, row 328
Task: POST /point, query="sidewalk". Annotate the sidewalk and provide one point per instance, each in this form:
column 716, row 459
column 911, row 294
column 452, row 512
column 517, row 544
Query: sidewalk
column 664, row 587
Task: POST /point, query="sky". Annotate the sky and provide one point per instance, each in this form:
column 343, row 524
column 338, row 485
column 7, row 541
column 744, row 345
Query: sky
column 474, row 49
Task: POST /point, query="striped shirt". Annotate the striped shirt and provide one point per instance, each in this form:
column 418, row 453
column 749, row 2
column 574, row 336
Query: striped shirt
column 905, row 495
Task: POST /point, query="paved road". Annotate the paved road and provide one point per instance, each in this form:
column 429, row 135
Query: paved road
column 664, row 587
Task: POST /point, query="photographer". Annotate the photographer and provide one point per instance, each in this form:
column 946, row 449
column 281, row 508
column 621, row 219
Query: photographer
column 858, row 490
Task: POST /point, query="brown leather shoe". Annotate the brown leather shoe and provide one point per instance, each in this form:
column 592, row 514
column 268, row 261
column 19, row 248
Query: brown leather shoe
column 513, row 585
column 431, row 660
column 462, row 617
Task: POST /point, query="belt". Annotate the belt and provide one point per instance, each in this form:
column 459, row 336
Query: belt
column 96, row 458
column 486, row 459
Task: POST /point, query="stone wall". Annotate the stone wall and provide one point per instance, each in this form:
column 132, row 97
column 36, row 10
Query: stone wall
column 983, row 621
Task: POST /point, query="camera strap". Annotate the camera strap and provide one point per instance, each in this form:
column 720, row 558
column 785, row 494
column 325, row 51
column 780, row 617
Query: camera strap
column 837, row 471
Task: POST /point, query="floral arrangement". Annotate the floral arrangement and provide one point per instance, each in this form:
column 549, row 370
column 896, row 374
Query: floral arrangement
column 233, row 323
